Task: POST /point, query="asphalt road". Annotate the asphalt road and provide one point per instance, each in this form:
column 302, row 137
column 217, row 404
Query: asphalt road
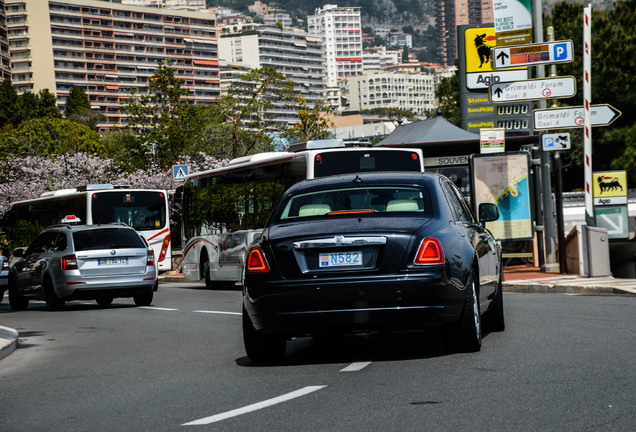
column 564, row 363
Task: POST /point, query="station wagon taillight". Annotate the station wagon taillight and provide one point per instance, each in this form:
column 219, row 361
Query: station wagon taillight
column 430, row 252
column 5, row 265
column 150, row 258
column 256, row 262
column 69, row 262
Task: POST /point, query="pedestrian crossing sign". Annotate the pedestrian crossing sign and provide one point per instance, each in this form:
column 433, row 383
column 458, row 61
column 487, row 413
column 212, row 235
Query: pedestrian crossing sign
column 179, row 172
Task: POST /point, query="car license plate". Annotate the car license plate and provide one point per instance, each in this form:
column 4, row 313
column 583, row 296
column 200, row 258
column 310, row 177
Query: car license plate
column 339, row 259
column 111, row 261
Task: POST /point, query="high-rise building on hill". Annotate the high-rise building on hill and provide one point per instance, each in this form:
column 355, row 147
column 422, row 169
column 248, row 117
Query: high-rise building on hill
column 109, row 49
column 293, row 52
column 5, row 62
column 341, row 31
column 452, row 13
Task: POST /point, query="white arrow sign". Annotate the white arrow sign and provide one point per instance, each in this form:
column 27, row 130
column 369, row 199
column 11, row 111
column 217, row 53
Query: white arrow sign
column 572, row 117
column 544, row 88
column 615, row 220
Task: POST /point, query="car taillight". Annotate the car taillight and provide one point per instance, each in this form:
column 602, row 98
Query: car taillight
column 5, row 265
column 256, row 262
column 164, row 248
column 430, row 252
column 69, row 262
column 150, row 258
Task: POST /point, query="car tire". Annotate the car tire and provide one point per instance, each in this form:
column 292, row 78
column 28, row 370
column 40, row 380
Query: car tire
column 16, row 301
column 144, row 299
column 261, row 347
column 494, row 317
column 205, row 272
column 466, row 333
column 104, row 300
column 53, row 302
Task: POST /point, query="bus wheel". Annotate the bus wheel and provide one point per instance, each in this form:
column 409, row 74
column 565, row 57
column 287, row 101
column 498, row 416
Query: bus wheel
column 205, row 272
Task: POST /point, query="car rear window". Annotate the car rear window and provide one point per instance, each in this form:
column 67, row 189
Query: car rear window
column 359, row 200
column 106, row 238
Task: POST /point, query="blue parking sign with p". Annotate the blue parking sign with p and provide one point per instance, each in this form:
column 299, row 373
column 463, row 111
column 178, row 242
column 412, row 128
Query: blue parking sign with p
column 548, row 142
column 560, row 51
column 179, row 172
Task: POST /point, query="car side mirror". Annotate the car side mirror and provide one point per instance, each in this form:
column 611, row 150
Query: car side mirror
column 18, row 252
column 488, row 212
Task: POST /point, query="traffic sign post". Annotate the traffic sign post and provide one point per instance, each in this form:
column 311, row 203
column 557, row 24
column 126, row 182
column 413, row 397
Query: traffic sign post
column 534, row 89
column 532, row 54
column 555, row 142
column 179, row 172
column 614, row 219
column 573, row 117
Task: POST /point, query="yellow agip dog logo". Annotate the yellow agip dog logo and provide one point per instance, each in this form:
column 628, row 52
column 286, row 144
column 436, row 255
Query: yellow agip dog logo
column 609, row 184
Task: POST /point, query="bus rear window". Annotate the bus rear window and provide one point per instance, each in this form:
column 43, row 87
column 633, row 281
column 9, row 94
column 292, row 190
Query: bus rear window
column 142, row 210
column 344, row 162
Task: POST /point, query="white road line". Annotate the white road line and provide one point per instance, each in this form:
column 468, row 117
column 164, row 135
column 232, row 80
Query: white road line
column 259, row 405
column 355, row 367
column 217, row 312
column 157, row 308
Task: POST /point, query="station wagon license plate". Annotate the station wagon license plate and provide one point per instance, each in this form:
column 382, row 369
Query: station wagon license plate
column 340, row 259
column 112, row 261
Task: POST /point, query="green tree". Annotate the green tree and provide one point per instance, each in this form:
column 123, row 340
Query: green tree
column 312, row 124
column 447, row 93
column 76, row 102
column 8, row 103
column 248, row 110
column 48, row 136
column 395, row 115
column 160, row 116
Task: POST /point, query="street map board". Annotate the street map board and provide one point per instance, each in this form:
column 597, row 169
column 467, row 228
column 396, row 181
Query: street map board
column 504, row 180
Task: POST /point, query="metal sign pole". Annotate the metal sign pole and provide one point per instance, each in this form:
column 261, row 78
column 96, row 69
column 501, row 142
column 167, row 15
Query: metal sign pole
column 546, row 181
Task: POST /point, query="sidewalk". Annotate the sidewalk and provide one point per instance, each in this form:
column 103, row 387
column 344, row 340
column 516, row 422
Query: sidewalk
column 529, row 279
column 520, row 279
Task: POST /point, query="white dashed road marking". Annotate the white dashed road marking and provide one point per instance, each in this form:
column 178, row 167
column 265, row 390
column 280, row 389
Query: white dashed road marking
column 157, row 308
column 355, row 367
column 259, row 405
column 217, row 312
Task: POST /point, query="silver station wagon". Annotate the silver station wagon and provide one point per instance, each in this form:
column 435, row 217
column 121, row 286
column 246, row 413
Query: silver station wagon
column 83, row 262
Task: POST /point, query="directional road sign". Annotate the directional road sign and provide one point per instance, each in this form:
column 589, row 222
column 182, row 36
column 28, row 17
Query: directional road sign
column 572, row 117
column 557, row 141
column 179, row 172
column 544, row 88
column 614, row 219
column 532, row 54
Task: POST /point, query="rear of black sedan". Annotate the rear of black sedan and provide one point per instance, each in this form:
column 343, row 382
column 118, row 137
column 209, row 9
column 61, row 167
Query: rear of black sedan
column 370, row 252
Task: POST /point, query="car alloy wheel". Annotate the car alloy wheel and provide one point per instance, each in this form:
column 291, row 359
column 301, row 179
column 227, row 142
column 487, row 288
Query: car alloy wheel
column 261, row 347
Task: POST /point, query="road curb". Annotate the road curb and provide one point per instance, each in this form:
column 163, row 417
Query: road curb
column 8, row 341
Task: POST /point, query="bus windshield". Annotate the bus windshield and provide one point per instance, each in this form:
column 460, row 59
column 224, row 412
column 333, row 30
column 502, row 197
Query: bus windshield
column 142, row 210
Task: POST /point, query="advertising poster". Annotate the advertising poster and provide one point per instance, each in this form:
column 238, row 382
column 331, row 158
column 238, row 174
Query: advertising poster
column 513, row 21
column 504, row 180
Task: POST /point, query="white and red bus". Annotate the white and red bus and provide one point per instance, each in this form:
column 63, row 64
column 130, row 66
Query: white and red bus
column 225, row 209
column 146, row 210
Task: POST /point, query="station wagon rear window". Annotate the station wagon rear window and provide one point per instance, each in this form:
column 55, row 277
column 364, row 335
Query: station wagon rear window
column 107, row 238
column 358, row 201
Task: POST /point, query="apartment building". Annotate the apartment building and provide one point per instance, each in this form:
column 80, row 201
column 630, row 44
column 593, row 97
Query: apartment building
column 379, row 58
column 5, row 61
column 109, row 50
column 452, row 13
column 293, row 52
column 196, row 5
column 341, row 31
column 414, row 92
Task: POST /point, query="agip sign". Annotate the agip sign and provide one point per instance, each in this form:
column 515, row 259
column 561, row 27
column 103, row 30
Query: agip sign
column 478, row 43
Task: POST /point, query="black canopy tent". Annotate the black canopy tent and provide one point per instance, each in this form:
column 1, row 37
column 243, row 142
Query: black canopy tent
column 438, row 137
